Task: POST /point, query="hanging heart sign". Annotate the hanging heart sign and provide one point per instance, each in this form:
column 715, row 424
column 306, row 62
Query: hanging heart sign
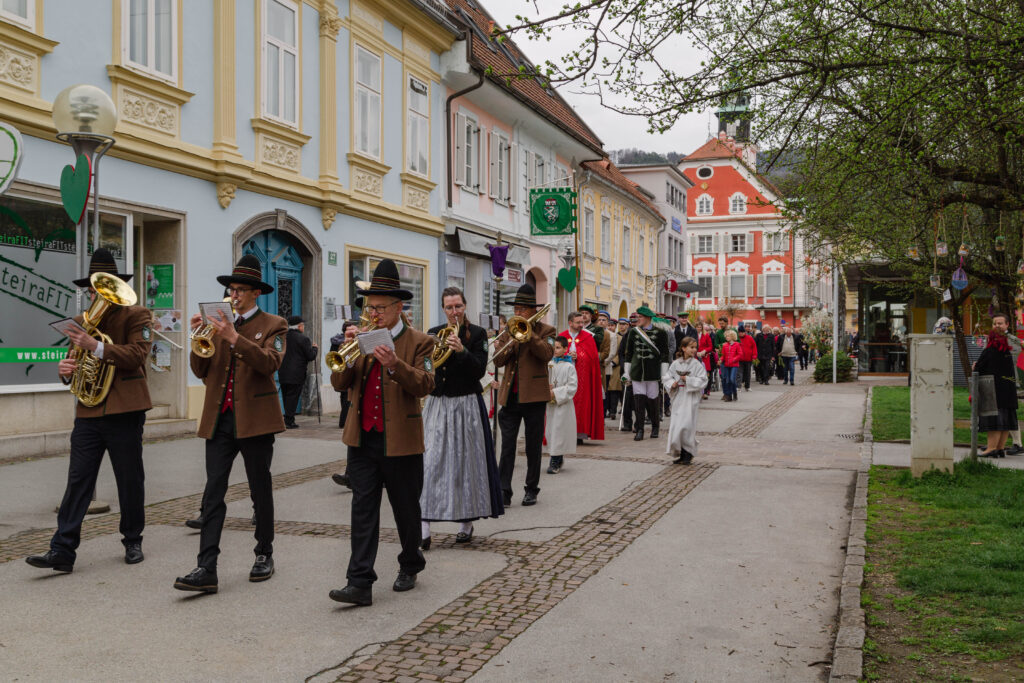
column 567, row 278
column 75, row 182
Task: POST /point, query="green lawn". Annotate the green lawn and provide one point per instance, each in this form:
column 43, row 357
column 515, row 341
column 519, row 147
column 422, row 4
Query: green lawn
column 890, row 414
column 944, row 574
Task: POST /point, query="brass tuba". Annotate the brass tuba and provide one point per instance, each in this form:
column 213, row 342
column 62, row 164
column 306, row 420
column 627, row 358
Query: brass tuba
column 349, row 353
column 202, row 337
column 520, row 329
column 93, row 377
column 442, row 352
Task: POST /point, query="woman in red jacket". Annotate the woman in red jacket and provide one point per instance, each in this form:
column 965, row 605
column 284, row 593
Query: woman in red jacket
column 748, row 352
column 706, row 354
column 731, row 353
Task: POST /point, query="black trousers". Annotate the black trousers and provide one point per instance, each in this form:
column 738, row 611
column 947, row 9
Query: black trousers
column 220, row 455
column 744, row 377
column 290, row 394
column 764, row 369
column 627, row 408
column 509, row 419
column 371, row 471
column 121, row 436
column 612, row 399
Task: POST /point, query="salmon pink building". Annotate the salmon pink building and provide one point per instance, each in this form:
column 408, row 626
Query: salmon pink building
column 740, row 252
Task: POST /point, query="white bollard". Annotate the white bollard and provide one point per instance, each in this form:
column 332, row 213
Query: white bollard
column 931, row 403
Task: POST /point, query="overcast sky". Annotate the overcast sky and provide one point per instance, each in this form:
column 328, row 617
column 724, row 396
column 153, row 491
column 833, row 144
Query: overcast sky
column 617, row 131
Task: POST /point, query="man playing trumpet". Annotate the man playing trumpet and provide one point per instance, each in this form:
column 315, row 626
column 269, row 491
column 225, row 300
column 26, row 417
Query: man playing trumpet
column 384, row 433
column 241, row 412
column 524, row 396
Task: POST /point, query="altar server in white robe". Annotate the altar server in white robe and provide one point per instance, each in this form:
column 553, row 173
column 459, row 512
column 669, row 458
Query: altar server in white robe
column 684, row 381
column 560, row 416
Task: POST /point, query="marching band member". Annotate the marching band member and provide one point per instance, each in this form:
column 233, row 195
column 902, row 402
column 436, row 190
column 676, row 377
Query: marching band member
column 114, row 426
column 241, row 412
column 384, row 433
column 460, row 475
column 647, row 359
column 524, row 395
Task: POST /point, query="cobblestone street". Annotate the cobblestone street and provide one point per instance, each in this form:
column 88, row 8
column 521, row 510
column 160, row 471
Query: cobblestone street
column 629, row 568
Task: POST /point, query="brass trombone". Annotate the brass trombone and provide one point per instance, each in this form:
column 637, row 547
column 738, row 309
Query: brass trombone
column 202, row 337
column 520, row 329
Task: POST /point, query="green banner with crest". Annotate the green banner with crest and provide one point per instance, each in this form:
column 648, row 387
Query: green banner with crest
column 552, row 211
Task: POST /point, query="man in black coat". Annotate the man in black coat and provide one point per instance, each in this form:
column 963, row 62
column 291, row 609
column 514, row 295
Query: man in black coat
column 685, row 328
column 765, row 342
column 299, row 350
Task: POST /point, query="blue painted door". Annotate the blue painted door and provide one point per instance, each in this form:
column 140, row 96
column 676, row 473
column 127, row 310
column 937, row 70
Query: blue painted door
column 282, row 270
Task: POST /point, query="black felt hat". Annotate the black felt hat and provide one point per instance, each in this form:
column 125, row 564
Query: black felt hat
column 294, row 320
column 102, row 261
column 247, row 271
column 385, row 282
column 525, row 296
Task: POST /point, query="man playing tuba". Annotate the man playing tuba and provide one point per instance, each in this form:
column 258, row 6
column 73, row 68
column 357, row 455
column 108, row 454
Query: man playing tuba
column 113, row 425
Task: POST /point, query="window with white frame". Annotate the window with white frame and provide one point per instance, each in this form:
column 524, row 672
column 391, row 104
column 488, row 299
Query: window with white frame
column 562, row 176
column 738, row 203
column 737, row 286
column 500, row 166
column 639, row 252
column 281, row 60
column 705, row 244
column 539, row 173
column 739, row 243
column 150, row 41
column 776, row 241
column 21, row 12
column 470, row 158
column 650, row 255
column 606, row 237
column 773, row 286
column 418, row 141
column 704, row 282
column 588, row 231
column 705, row 205
column 367, row 100
column 627, row 255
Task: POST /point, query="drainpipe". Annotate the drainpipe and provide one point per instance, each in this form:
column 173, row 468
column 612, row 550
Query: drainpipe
column 448, row 110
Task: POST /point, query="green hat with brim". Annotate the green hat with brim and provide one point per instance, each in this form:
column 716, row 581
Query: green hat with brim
column 589, row 307
column 645, row 311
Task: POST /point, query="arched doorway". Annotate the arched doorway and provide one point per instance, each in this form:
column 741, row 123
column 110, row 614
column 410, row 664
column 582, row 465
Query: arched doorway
column 623, row 309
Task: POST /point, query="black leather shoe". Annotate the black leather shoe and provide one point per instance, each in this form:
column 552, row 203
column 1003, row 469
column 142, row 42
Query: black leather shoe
column 530, row 498
column 404, row 582
column 1013, row 450
column 262, row 568
column 425, row 543
column 292, row 426
column 341, row 480
column 51, row 559
column 196, row 523
column 198, row 580
column 133, row 553
column 506, row 498
column 464, row 537
column 685, row 458
column 353, row 595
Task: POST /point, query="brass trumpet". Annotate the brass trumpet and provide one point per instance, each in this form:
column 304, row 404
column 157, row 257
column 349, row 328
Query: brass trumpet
column 93, row 377
column 520, row 329
column 202, row 337
column 349, row 353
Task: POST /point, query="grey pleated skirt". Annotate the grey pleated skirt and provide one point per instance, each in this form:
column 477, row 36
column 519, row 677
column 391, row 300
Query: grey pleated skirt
column 460, row 474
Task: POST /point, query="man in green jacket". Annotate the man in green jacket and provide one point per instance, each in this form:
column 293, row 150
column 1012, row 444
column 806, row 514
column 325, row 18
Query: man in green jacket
column 646, row 360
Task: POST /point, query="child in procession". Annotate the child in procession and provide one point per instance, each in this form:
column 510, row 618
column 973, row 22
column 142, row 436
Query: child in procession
column 684, row 381
column 732, row 352
column 560, row 423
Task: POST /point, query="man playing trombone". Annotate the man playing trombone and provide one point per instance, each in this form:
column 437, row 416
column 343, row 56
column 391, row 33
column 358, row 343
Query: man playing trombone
column 241, row 412
column 384, row 433
column 524, row 394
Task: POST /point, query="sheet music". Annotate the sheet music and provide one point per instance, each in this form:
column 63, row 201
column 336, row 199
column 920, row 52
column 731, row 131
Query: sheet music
column 368, row 341
column 62, row 326
column 211, row 309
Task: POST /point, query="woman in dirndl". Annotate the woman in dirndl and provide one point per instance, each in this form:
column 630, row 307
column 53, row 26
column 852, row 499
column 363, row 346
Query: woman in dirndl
column 997, row 360
column 460, row 473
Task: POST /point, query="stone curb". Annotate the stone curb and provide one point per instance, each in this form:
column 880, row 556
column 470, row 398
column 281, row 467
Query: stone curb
column 848, row 653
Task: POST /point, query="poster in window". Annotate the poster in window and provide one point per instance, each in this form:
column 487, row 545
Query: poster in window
column 160, row 285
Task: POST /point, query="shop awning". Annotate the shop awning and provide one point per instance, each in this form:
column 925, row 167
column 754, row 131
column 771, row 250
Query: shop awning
column 475, row 243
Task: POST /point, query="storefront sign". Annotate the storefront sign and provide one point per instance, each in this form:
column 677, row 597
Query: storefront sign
column 160, row 285
column 30, row 355
column 514, row 275
column 332, row 258
column 552, row 211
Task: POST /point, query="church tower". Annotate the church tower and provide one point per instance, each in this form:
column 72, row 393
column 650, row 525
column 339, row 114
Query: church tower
column 734, row 117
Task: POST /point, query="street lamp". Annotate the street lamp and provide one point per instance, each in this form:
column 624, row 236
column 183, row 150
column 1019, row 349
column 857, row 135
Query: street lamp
column 85, row 117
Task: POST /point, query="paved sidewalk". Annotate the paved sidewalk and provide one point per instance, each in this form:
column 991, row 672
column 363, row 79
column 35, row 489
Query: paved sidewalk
column 629, row 568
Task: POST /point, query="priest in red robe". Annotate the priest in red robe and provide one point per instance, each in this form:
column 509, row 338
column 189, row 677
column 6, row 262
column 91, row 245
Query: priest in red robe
column 588, row 400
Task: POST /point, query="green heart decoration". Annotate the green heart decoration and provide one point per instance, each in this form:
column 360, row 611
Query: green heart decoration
column 75, row 182
column 567, row 278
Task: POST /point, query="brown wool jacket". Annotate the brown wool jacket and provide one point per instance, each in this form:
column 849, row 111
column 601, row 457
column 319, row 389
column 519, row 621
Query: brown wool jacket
column 130, row 329
column 257, row 354
column 412, row 379
column 533, row 357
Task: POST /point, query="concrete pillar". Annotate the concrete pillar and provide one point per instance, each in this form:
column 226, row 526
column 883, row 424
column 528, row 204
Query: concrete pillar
column 931, row 403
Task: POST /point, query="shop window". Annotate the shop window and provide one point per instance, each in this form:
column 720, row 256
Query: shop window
column 280, row 60
column 411, row 277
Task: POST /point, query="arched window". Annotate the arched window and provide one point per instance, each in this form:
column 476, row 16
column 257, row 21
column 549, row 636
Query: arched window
column 738, row 203
column 705, row 205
